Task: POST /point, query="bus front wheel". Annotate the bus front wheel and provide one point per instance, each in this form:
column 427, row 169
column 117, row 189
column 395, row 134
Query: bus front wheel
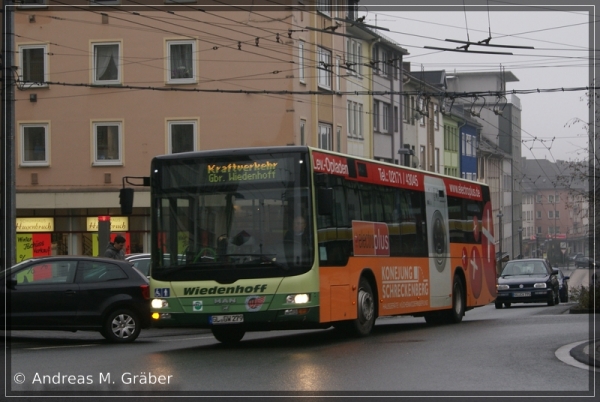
column 228, row 334
column 365, row 319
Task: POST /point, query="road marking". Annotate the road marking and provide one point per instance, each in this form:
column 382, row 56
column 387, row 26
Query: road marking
column 58, row 347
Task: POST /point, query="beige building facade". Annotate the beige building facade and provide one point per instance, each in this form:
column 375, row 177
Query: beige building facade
column 101, row 92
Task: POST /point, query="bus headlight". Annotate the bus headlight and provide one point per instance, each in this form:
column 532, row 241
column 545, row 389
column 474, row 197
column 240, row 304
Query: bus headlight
column 297, row 299
column 159, row 303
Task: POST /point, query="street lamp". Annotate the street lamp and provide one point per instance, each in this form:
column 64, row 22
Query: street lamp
column 499, row 268
column 520, row 230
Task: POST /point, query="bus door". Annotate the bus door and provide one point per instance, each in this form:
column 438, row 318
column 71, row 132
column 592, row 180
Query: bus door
column 440, row 281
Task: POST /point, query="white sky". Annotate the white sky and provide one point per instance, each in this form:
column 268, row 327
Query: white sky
column 559, row 60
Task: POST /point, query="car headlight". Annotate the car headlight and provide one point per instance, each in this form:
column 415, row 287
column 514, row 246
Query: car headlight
column 502, row 287
column 159, row 303
column 297, row 299
column 540, row 285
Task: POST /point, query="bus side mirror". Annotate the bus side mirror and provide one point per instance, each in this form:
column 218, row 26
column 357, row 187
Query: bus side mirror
column 126, row 201
column 325, row 201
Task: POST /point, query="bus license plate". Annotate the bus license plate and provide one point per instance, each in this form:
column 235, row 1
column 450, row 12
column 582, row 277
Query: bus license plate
column 522, row 294
column 226, row 319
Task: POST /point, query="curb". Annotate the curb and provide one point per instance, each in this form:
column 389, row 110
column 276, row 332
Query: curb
column 587, row 353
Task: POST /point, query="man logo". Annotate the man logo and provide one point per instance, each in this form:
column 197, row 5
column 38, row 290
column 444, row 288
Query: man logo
column 225, row 301
column 254, row 303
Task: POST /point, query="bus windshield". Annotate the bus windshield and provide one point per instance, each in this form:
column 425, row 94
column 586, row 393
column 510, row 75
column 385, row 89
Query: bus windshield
column 236, row 214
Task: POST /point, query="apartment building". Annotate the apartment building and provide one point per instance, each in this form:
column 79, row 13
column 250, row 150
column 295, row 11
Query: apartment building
column 101, row 91
column 555, row 211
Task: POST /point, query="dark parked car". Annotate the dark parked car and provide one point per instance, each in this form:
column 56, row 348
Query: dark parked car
column 528, row 281
column 76, row 293
column 141, row 262
column 563, row 286
column 575, row 256
column 585, row 262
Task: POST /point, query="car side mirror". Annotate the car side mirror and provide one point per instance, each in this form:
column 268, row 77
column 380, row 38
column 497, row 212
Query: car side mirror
column 11, row 283
column 555, row 272
column 566, row 278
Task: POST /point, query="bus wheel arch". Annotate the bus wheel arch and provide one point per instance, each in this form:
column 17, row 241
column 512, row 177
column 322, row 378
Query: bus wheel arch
column 366, row 306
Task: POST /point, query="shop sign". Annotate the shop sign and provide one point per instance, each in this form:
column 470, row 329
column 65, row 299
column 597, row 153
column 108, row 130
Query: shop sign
column 117, row 224
column 30, row 225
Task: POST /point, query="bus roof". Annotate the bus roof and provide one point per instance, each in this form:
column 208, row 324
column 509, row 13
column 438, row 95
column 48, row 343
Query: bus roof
column 295, row 149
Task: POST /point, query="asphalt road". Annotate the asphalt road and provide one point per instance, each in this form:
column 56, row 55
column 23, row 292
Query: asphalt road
column 516, row 351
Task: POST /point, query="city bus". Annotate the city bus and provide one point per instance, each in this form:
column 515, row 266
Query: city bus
column 277, row 238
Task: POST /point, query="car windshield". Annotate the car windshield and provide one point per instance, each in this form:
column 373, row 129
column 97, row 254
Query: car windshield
column 524, row 268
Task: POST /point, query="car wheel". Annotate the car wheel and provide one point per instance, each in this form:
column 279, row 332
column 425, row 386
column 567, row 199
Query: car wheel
column 455, row 315
column 556, row 298
column 507, row 305
column 498, row 305
column 552, row 299
column 564, row 298
column 121, row 326
column 228, row 334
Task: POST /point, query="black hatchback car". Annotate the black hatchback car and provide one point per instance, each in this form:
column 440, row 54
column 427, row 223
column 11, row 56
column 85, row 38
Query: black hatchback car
column 527, row 281
column 76, row 293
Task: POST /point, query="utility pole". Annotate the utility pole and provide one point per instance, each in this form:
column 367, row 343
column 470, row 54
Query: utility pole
column 520, row 230
column 8, row 235
column 500, row 215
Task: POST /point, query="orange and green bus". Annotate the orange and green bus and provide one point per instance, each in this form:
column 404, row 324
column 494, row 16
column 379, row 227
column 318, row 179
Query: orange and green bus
column 377, row 239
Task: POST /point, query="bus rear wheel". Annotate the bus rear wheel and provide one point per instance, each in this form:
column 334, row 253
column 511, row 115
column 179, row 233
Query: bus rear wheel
column 455, row 315
column 228, row 334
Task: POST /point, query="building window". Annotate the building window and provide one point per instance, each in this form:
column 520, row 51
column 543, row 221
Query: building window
column 180, row 58
column 422, row 157
column 354, row 57
column 324, row 6
column 301, row 61
column 182, row 136
column 436, row 117
column 325, row 137
column 538, row 199
column 324, row 68
column 385, row 67
column 338, row 139
column 302, row 134
column 32, row 3
column 538, row 214
column 33, row 62
column 107, row 69
column 386, row 118
column 406, row 108
column 539, row 230
column 34, row 145
column 437, row 160
column 412, row 111
column 396, row 119
column 107, row 143
column 376, row 115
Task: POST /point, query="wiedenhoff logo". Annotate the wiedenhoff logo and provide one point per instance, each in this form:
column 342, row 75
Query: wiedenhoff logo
column 224, row 290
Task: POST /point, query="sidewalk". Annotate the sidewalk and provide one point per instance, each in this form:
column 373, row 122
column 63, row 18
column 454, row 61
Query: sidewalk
column 587, row 353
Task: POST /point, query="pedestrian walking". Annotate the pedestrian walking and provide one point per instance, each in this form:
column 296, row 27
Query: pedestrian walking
column 116, row 250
